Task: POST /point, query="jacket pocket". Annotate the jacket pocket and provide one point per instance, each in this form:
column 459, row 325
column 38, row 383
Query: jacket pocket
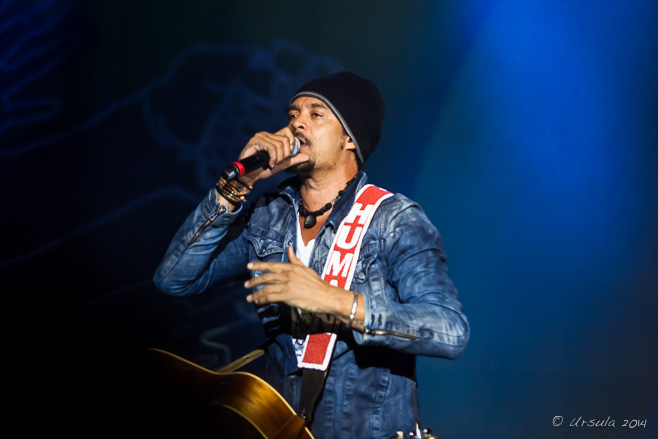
column 266, row 248
column 364, row 264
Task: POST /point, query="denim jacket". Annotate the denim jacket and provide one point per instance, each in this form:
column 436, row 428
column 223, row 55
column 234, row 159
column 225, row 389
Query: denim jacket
column 411, row 305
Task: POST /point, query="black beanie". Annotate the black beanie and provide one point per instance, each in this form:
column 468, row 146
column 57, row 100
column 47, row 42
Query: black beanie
column 357, row 104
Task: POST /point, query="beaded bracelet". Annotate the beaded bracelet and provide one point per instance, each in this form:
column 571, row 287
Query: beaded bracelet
column 234, row 191
column 226, row 195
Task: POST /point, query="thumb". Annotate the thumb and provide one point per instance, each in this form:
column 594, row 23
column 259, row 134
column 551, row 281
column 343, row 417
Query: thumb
column 292, row 257
column 299, row 158
column 290, row 161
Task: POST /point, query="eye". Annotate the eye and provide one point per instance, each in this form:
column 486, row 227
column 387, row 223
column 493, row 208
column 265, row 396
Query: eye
column 293, row 116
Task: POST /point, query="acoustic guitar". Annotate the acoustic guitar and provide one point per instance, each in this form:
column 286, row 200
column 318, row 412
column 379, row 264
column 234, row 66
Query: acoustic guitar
column 224, row 404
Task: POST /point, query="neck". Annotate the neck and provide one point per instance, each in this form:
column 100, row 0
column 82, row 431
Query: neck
column 317, row 191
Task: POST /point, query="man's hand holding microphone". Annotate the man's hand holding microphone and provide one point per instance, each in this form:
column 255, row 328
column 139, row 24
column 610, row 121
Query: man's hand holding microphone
column 265, row 155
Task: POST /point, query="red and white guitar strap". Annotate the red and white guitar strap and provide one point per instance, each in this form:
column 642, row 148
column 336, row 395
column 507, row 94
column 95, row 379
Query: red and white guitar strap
column 339, row 271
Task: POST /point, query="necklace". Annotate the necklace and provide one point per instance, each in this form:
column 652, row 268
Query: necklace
column 311, row 218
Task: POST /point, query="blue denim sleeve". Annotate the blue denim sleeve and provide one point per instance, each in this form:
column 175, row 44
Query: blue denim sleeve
column 190, row 264
column 420, row 313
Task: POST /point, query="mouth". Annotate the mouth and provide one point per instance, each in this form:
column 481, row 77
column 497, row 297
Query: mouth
column 303, row 141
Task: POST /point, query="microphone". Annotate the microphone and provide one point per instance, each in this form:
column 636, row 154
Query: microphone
column 248, row 164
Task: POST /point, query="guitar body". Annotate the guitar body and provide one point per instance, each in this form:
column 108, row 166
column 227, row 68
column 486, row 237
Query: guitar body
column 208, row 404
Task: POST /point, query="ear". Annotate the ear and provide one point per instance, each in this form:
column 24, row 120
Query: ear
column 349, row 144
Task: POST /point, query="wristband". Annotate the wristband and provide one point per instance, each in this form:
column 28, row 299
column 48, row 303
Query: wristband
column 355, row 304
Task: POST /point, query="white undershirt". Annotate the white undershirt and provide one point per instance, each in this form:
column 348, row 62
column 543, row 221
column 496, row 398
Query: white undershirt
column 304, row 250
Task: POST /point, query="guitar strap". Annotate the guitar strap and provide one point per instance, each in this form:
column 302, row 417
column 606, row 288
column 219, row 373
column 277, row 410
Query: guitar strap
column 312, row 385
column 338, row 271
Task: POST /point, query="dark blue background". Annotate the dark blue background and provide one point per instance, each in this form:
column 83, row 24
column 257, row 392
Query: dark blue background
column 526, row 130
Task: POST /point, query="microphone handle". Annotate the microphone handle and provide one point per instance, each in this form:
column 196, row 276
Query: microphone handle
column 247, row 164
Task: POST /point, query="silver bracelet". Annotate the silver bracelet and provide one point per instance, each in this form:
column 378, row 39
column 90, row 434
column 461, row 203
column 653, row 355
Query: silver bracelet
column 353, row 312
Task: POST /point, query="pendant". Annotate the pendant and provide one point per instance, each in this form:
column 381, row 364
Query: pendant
column 310, row 221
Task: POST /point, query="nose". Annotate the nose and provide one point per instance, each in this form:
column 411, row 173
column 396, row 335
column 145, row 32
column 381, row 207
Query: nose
column 299, row 122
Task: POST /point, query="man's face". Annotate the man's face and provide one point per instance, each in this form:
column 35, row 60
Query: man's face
column 320, row 134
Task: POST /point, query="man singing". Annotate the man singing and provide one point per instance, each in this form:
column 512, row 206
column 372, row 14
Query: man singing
column 349, row 280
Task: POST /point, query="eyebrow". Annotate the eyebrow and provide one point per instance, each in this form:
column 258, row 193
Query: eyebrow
column 313, row 105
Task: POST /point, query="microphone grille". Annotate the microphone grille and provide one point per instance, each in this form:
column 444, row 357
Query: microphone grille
column 294, row 149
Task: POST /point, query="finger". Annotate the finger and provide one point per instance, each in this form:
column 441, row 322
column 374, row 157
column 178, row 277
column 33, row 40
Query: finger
column 292, row 257
column 287, row 132
column 268, row 294
column 281, row 148
column 273, row 145
column 291, row 161
column 265, row 141
column 276, row 267
column 267, row 278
